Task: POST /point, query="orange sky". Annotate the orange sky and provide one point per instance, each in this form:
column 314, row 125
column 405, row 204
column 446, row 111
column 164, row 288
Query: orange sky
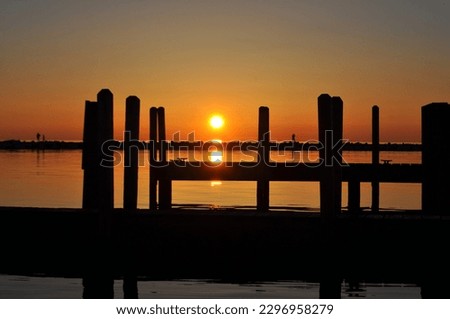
column 197, row 58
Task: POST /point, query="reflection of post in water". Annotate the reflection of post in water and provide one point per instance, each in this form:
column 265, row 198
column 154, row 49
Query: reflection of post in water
column 40, row 156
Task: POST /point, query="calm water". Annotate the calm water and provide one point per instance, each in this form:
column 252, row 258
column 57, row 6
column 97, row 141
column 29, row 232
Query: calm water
column 54, row 179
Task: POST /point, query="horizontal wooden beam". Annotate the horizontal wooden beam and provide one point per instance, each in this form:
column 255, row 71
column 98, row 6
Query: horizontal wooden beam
column 389, row 173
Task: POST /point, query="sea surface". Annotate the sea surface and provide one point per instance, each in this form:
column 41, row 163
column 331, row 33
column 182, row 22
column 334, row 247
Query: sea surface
column 22, row 287
column 54, row 179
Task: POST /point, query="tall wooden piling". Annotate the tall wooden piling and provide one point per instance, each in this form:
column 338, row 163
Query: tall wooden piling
column 330, row 111
column 435, row 158
column 98, row 193
column 330, row 137
column 91, row 156
column 153, row 157
column 337, row 118
column 131, row 153
column 375, row 158
column 105, row 136
column 165, row 184
column 436, row 192
column 130, row 188
column 325, row 112
column 262, row 184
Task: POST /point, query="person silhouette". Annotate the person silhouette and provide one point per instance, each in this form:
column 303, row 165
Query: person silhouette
column 38, row 136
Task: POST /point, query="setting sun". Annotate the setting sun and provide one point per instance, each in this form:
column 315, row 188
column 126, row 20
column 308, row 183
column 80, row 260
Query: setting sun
column 216, row 121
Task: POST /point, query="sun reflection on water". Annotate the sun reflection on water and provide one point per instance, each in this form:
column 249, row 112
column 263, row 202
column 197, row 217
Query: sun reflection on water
column 216, row 183
column 216, row 157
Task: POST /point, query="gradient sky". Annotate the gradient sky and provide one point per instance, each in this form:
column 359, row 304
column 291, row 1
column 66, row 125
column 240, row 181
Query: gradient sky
column 197, row 58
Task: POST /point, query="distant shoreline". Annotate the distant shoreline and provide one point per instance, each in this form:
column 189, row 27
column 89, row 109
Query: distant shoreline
column 185, row 145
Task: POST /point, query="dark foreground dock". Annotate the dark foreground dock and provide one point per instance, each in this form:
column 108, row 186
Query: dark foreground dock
column 232, row 245
column 100, row 243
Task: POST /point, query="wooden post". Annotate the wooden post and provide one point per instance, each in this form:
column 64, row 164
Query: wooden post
column 262, row 185
column 375, row 158
column 337, row 118
column 165, row 184
column 153, row 157
column 354, row 195
column 131, row 153
column 435, row 158
column 106, row 128
column 436, row 193
column 106, row 190
column 330, row 111
column 326, row 176
column 90, row 165
column 162, row 134
column 330, row 137
column 98, row 281
column 130, row 189
column 91, row 156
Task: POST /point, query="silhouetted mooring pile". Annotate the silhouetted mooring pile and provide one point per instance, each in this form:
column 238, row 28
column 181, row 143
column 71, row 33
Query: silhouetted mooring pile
column 104, row 243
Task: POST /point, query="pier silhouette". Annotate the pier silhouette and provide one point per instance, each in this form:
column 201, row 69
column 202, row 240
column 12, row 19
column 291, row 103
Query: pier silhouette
column 104, row 243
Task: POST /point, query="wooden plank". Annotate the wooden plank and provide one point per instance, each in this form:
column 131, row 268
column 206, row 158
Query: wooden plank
column 392, row 173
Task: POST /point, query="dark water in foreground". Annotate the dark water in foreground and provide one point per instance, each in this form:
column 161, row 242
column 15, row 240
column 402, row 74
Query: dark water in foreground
column 71, row 288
